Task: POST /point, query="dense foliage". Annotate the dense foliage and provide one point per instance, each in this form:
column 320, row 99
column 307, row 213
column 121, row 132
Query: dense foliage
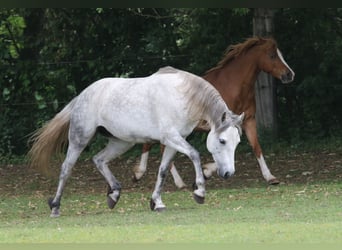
column 47, row 56
column 312, row 43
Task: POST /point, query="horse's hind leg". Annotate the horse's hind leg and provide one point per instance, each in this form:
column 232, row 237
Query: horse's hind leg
column 113, row 149
column 140, row 169
column 175, row 175
column 72, row 155
column 156, row 202
column 251, row 133
column 177, row 179
column 79, row 138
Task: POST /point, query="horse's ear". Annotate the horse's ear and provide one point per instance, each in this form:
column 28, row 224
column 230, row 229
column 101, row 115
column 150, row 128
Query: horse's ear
column 224, row 123
column 224, row 116
column 241, row 117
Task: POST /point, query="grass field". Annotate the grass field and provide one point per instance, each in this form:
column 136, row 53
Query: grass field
column 283, row 214
column 306, row 208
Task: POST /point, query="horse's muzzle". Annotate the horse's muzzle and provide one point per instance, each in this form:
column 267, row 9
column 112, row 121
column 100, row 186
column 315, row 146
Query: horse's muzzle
column 225, row 174
column 287, row 77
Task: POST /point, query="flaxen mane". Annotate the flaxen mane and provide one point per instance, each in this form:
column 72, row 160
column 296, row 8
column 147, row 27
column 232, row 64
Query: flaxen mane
column 234, row 51
column 204, row 101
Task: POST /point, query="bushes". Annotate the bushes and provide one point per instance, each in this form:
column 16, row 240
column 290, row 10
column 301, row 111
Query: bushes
column 50, row 55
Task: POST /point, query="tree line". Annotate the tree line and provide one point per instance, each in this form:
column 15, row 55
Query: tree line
column 48, row 56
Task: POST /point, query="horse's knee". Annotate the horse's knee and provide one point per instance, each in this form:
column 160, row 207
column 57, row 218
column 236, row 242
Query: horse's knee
column 194, row 156
column 96, row 160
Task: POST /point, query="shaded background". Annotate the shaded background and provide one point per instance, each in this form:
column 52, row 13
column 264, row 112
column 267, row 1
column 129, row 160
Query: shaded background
column 47, row 56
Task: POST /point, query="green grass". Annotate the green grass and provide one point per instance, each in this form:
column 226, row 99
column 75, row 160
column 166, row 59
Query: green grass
column 285, row 215
column 276, row 215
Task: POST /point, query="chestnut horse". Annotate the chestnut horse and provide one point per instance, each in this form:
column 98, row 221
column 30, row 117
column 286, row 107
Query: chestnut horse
column 234, row 77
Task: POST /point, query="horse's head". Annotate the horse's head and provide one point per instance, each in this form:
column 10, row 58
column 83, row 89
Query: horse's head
column 222, row 142
column 271, row 61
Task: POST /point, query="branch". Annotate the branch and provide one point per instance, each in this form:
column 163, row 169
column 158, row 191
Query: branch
column 157, row 16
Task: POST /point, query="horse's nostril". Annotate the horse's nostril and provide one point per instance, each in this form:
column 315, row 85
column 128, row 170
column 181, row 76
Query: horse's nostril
column 287, row 77
column 226, row 175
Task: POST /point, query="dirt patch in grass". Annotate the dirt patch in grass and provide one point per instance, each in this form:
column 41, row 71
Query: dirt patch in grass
column 289, row 168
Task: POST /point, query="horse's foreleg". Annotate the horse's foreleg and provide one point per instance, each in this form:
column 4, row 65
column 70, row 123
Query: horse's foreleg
column 251, row 133
column 184, row 147
column 140, row 169
column 199, row 193
column 156, row 203
column 113, row 149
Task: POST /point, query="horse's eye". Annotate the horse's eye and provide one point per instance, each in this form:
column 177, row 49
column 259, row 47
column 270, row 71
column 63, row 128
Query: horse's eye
column 222, row 141
column 273, row 56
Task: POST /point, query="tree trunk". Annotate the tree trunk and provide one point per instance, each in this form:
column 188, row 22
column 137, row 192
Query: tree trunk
column 265, row 89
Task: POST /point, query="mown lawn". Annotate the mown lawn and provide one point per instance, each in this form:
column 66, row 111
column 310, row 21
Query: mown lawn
column 310, row 213
column 303, row 212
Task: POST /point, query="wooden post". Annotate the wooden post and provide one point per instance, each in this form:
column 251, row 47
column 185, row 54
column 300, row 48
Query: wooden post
column 265, row 89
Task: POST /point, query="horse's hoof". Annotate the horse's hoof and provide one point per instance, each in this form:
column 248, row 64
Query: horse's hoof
column 54, row 208
column 152, row 204
column 54, row 213
column 50, row 202
column 180, row 185
column 198, row 199
column 154, row 208
column 273, row 181
column 111, row 203
column 160, row 209
column 135, row 179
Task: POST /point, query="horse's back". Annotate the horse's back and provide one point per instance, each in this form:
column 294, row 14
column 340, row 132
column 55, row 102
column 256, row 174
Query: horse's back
column 132, row 107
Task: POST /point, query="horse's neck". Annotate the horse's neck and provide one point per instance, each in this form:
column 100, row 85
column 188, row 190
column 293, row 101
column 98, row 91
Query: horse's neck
column 235, row 82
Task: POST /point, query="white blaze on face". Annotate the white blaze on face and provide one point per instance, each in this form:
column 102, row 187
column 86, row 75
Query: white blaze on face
column 283, row 61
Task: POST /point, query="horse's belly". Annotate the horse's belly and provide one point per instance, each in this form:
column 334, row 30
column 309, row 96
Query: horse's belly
column 149, row 129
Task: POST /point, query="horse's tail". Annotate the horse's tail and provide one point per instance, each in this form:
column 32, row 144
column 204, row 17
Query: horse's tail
column 50, row 139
